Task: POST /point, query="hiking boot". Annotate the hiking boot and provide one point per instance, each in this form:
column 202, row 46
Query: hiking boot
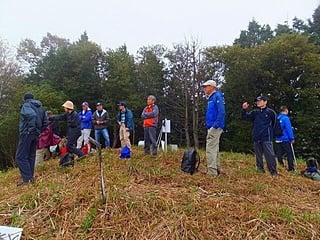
column 82, row 157
column 25, row 183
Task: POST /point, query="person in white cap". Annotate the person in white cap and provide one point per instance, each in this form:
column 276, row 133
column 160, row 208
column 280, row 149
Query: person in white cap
column 74, row 127
column 215, row 123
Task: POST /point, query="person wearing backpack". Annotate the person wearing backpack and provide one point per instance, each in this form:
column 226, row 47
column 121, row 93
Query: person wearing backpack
column 284, row 142
column 263, row 119
column 33, row 121
column 215, row 123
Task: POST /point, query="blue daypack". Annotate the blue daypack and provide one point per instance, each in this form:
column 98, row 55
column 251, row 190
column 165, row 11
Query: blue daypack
column 125, row 152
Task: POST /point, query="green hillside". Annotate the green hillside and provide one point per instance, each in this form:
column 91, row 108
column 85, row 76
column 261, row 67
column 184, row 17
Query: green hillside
column 150, row 198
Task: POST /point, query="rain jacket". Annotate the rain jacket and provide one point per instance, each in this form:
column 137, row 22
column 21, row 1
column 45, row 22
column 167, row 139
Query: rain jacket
column 215, row 115
column 32, row 117
column 286, row 127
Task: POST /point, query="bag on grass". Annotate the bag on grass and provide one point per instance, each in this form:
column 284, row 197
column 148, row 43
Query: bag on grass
column 67, row 160
column 125, row 152
column 190, row 161
column 312, row 171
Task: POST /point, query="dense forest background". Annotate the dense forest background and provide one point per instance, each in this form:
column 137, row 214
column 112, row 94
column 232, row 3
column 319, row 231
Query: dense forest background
column 281, row 63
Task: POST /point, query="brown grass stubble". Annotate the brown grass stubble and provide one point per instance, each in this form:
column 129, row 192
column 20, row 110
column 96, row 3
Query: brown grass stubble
column 150, row 198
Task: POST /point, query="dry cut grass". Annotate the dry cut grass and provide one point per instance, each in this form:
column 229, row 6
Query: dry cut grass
column 150, row 198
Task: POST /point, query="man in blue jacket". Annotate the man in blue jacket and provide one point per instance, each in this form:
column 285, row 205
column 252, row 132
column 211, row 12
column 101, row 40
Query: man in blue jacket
column 285, row 141
column 215, row 123
column 32, row 121
column 264, row 120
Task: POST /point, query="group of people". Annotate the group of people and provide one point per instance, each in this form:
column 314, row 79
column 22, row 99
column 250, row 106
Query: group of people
column 36, row 124
column 33, row 121
column 264, row 120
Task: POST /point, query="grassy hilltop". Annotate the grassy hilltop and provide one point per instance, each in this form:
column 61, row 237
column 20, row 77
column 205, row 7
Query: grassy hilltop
column 150, row 198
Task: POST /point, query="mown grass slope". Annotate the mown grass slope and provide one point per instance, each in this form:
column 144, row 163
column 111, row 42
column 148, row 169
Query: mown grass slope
column 150, row 198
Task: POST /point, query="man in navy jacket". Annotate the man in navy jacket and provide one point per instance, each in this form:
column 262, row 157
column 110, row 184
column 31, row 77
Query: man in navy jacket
column 285, row 141
column 32, row 121
column 215, row 123
column 264, row 120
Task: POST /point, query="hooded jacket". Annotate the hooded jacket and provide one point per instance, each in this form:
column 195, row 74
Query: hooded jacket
column 286, row 127
column 32, row 117
column 215, row 114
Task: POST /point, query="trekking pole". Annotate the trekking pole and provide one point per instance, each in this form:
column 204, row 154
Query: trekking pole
column 159, row 138
column 103, row 190
column 294, row 156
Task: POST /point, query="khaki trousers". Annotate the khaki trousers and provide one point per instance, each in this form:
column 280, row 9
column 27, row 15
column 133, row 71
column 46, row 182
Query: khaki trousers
column 124, row 135
column 212, row 150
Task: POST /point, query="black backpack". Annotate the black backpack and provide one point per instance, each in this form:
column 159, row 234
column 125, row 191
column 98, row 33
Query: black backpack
column 190, row 161
column 66, row 160
column 277, row 128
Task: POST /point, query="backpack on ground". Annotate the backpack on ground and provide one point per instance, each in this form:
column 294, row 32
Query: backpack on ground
column 190, row 161
column 312, row 171
column 66, row 160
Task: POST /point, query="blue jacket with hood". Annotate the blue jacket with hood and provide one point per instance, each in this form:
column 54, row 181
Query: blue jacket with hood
column 286, row 127
column 215, row 115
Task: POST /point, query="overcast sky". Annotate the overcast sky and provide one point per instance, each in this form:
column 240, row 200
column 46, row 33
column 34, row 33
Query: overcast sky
column 137, row 23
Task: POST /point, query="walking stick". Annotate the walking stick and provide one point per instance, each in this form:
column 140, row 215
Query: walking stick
column 103, row 190
column 294, row 157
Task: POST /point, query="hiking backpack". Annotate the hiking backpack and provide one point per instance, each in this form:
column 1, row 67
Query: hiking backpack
column 190, row 161
column 66, row 160
column 277, row 128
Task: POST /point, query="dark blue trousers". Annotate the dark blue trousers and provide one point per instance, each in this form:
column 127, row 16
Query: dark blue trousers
column 26, row 156
column 266, row 149
column 150, row 138
column 285, row 148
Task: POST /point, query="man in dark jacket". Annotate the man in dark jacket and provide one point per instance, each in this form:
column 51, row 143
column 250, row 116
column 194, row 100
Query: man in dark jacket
column 74, row 127
column 264, row 120
column 32, row 121
column 100, row 119
column 285, row 141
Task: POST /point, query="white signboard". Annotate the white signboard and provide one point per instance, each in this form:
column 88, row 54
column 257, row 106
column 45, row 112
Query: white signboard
column 10, row 233
column 166, row 128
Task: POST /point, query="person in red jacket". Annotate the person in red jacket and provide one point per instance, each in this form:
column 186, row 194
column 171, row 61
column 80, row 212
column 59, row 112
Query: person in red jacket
column 150, row 116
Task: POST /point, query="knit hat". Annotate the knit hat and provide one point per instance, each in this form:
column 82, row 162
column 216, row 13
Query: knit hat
column 28, row 96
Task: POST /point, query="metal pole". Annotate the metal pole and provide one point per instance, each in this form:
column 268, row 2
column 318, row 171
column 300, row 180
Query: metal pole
column 103, row 190
column 294, row 156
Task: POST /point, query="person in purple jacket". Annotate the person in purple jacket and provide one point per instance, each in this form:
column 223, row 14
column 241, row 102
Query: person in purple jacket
column 215, row 123
column 285, row 141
